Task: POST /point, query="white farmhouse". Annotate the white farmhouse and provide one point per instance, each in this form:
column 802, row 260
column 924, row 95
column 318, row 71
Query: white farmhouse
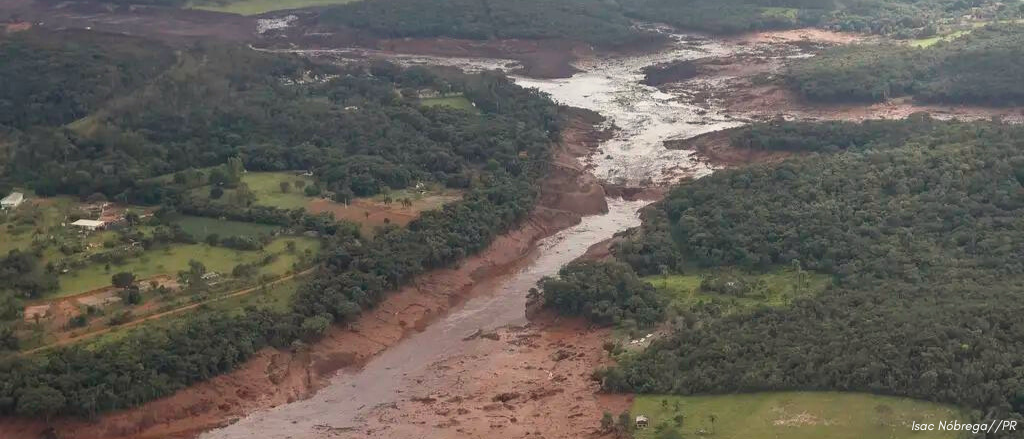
column 90, row 225
column 13, row 200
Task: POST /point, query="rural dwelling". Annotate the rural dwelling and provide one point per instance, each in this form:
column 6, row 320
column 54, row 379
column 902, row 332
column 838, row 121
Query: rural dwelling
column 13, row 200
column 90, row 225
column 641, row 421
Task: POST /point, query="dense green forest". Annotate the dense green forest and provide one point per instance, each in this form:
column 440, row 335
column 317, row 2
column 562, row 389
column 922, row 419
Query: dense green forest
column 983, row 67
column 919, row 224
column 609, row 23
column 359, row 129
column 582, row 20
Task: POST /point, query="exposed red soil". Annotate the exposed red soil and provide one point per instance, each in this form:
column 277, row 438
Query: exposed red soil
column 797, row 36
column 372, row 213
column 715, row 149
column 533, row 381
column 274, row 377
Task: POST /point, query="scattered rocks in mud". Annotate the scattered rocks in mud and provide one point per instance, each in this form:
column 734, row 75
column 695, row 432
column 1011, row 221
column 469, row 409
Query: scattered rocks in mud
column 561, row 354
column 479, row 333
column 505, row 397
column 674, row 71
column 476, row 334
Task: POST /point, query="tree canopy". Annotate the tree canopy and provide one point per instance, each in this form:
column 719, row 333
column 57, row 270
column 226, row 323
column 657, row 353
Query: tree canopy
column 922, row 234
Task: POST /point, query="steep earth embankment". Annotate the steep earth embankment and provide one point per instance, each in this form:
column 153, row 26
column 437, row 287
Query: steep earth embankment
column 274, row 377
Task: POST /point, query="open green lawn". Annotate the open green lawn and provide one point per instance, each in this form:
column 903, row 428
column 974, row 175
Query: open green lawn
column 785, row 13
column 267, row 188
column 795, row 415
column 453, row 101
column 277, row 297
column 931, row 41
column 18, row 226
column 199, row 227
column 175, row 258
column 782, row 286
column 256, row 7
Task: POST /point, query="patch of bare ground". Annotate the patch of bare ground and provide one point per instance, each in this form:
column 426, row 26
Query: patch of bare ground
column 715, row 148
column 533, row 381
column 274, row 377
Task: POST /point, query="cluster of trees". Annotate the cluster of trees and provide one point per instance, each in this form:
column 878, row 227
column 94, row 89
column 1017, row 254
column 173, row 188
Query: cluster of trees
column 217, row 103
column 924, row 240
column 89, row 73
column 984, row 67
column 835, row 136
column 608, row 23
column 606, row 293
column 599, row 23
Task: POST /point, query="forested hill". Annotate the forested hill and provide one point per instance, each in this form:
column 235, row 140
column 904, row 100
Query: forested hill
column 922, row 233
column 360, row 129
column 984, row 67
column 609, row 24
column 205, row 104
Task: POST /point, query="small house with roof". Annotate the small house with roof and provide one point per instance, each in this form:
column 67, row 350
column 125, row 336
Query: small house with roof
column 12, row 201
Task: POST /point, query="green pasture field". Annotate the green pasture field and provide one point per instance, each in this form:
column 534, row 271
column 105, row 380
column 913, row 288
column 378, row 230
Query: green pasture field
column 175, row 258
column 795, row 415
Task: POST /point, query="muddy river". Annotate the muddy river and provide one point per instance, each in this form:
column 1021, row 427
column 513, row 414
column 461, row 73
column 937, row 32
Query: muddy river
column 644, row 118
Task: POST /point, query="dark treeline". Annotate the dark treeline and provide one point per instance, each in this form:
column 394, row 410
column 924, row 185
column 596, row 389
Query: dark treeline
column 49, row 79
column 834, row 136
column 984, row 67
column 358, row 129
column 582, row 20
column 608, row 23
column 924, row 240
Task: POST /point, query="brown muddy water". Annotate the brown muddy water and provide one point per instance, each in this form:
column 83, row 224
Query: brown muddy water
column 643, row 117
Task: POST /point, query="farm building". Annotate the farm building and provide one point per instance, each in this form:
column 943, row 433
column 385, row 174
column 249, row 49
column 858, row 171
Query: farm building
column 90, row 225
column 642, row 422
column 13, row 200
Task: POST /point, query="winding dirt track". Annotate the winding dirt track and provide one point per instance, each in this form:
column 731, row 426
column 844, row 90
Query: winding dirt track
column 182, row 309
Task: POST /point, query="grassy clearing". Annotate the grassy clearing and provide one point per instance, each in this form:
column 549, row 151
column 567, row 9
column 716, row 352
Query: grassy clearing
column 780, row 287
column 34, row 217
column 175, row 258
column 795, row 415
column 277, row 297
column 200, row 227
column 783, row 13
column 267, row 188
column 256, row 7
column 931, row 41
column 458, row 101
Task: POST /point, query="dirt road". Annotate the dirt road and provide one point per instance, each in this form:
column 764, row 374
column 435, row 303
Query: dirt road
column 91, row 334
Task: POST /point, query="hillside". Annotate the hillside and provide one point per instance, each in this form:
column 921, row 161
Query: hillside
column 165, row 158
column 917, row 224
column 982, row 67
